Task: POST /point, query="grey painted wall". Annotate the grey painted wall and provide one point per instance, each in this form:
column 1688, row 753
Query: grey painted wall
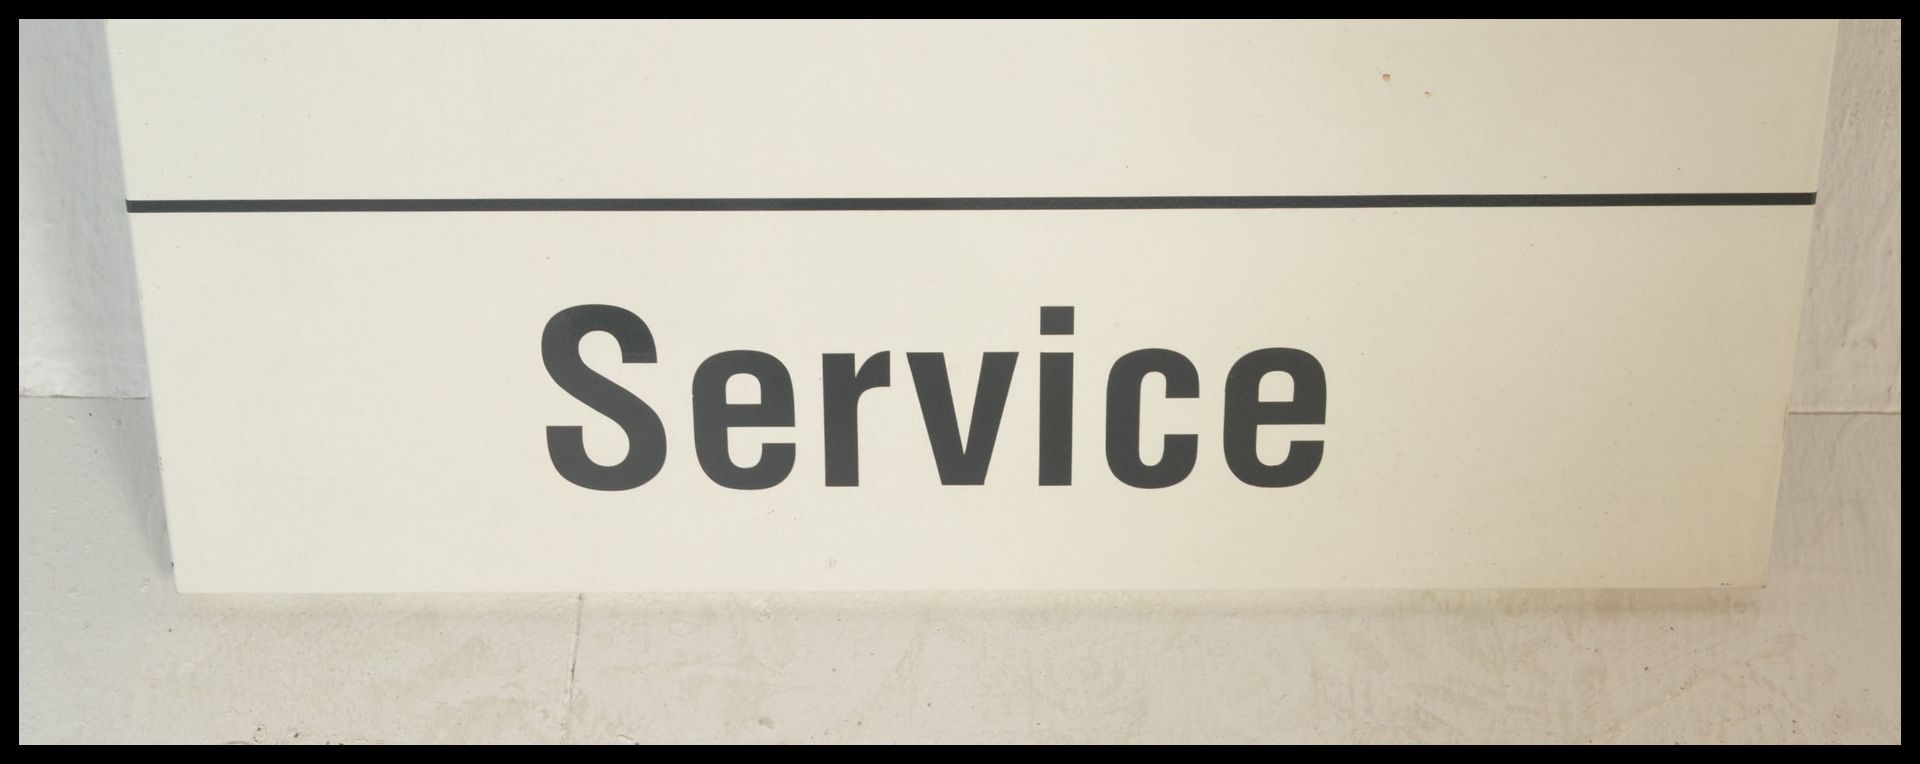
column 79, row 315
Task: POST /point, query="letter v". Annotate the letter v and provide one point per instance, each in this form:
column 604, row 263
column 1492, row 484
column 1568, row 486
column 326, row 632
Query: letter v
column 962, row 463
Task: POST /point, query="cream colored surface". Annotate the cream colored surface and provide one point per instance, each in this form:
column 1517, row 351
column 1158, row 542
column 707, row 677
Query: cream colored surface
column 937, row 108
column 1518, row 398
column 1849, row 356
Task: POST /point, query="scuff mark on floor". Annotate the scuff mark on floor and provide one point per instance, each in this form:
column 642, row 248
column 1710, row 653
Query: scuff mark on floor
column 573, row 669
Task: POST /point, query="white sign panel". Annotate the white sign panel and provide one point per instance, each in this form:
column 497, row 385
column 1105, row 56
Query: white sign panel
column 573, row 306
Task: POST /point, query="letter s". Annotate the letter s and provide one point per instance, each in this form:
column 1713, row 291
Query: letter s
column 646, row 439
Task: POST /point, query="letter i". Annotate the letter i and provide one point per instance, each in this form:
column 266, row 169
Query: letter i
column 1056, row 401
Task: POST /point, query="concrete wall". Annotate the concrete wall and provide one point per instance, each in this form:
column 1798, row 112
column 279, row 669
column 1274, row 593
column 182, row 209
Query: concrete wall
column 108, row 652
column 1850, row 329
column 79, row 315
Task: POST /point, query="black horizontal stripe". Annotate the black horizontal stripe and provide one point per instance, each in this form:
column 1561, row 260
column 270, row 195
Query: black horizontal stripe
column 965, row 203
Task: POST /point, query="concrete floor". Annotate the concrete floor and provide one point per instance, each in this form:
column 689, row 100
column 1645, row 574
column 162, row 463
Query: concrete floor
column 110, row 653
